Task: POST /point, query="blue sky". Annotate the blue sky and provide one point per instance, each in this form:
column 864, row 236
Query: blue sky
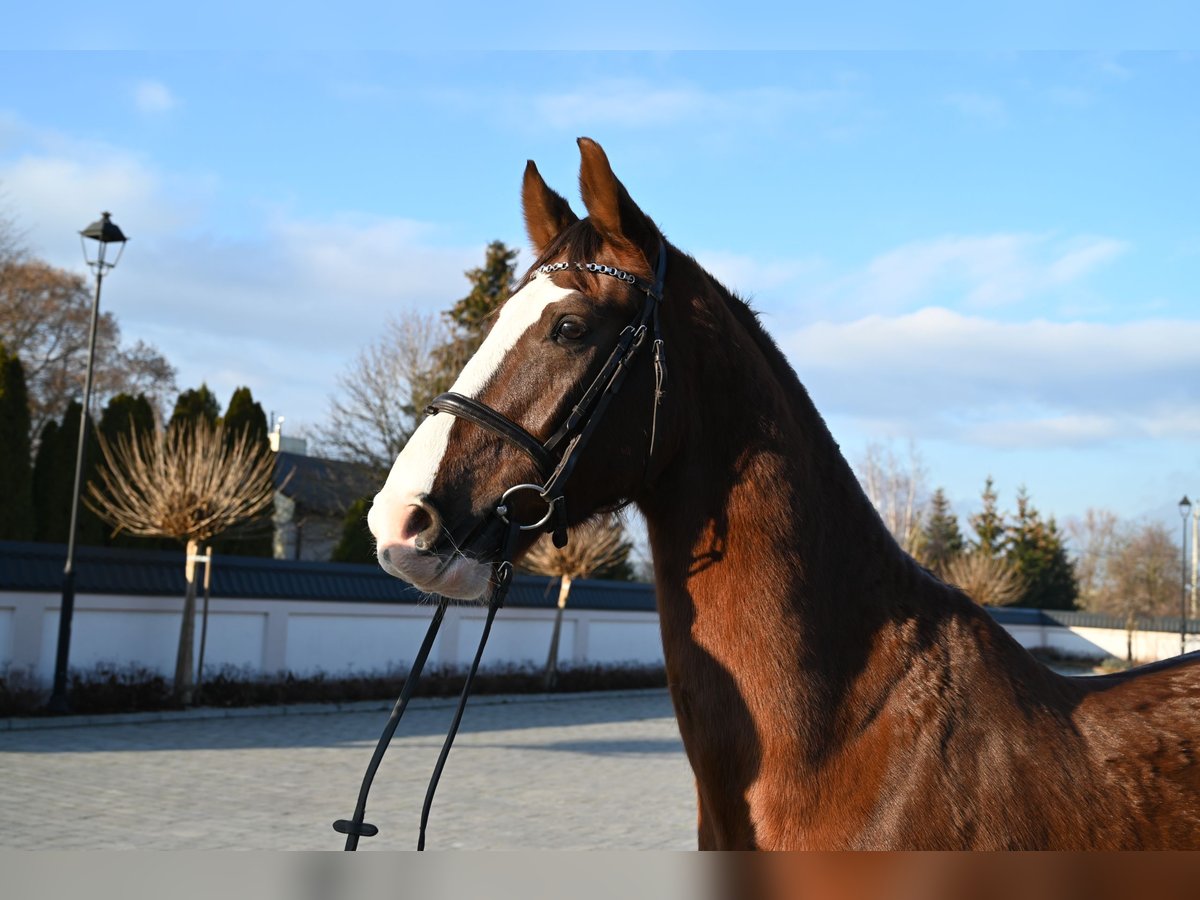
column 995, row 254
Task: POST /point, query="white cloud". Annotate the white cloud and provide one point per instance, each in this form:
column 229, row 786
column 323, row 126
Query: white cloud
column 154, row 97
column 749, row 276
column 940, row 373
column 282, row 310
column 57, row 185
column 984, row 271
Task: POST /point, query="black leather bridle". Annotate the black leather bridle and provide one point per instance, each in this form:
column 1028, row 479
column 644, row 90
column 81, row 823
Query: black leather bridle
column 557, row 456
column 555, row 459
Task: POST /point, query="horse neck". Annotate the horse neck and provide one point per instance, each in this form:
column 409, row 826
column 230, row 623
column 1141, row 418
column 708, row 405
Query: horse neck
column 776, row 577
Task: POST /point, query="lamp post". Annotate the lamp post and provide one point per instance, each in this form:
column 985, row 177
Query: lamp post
column 1192, row 610
column 1185, row 507
column 104, row 232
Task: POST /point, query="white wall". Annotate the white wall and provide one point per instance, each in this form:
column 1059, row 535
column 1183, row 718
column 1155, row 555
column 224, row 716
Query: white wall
column 305, row 637
column 1088, row 641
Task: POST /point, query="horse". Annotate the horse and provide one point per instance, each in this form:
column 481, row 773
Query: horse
column 831, row 693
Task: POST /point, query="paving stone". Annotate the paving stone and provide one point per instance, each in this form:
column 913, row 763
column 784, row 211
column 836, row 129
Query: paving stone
column 592, row 771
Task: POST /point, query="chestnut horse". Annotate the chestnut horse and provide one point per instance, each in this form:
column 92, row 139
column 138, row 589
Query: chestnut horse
column 830, row 692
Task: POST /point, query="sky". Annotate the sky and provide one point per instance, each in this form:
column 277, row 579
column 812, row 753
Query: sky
column 991, row 254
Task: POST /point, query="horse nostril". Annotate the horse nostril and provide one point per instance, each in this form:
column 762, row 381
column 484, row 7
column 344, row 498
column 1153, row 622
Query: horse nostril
column 418, row 520
column 421, row 525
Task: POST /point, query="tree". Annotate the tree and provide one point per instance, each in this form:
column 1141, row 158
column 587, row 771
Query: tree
column 1096, row 538
column 196, row 404
column 356, row 544
column 942, row 541
column 125, row 413
column 121, row 416
column 244, row 413
column 45, row 317
column 54, row 469
column 46, row 483
column 16, row 476
column 988, row 580
column 988, row 523
column 54, row 479
column 491, row 285
column 470, row 318
column 255, row 537
column 11, row 247
column 896, row 488
column 384, row 393
column 1037, row 551
column 590, row 547
column 1144, row 573
column 187, row 483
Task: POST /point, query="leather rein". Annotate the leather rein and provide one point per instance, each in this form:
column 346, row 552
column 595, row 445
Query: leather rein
column 555, row 459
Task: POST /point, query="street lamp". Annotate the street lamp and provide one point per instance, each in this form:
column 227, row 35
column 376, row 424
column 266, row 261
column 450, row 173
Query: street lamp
column 1192, row 609
column 1185, row 507
column 104, row 232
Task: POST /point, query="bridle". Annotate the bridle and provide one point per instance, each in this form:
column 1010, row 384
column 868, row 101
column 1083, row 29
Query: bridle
column 556, row 459
column 557, row 456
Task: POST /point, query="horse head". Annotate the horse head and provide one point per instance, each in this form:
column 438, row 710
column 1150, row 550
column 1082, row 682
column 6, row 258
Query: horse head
column 553, row 419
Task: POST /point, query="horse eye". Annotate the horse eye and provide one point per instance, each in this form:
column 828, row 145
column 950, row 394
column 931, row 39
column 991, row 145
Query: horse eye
column 571, row 329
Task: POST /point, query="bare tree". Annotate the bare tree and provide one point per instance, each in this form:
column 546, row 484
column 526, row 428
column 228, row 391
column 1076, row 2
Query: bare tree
column 45, row 315
column 590, row 548
column 1144, row 577
column 986, row 579
column 1096, row 537
column 383, row 394
column 12, row 246
column 897, row 489
column 190, row 482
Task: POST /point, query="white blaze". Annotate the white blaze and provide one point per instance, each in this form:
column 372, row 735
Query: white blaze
column 417, row 465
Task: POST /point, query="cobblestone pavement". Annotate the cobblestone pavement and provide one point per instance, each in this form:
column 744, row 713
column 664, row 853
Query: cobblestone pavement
column 585, row 772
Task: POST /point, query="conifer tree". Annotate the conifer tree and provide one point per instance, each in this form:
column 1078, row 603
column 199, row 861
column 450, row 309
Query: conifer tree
column 195, row 404
column 988, row 523
column 245, row 413
column 943, row 540
column 356, row 544
column 54, row 478
column 491, row 285
column 16, row 476
column 1036, row 550
column 46, row 483
column 471, row 316
column 124, row 413
column 254, row 537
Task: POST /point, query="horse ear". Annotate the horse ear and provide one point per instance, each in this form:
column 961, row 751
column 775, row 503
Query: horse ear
column 546, row 212
column 611, row 210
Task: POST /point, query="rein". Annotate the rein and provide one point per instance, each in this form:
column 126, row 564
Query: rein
column 571, row 437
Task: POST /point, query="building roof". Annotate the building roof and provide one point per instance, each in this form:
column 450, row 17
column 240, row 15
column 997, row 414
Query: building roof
column 326, row 487
column 28, row 566
column 105, row 570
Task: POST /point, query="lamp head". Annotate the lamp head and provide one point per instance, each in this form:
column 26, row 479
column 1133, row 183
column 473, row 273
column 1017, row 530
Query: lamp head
column 104, row 231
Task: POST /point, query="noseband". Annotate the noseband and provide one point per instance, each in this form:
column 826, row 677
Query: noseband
column 557, row 456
